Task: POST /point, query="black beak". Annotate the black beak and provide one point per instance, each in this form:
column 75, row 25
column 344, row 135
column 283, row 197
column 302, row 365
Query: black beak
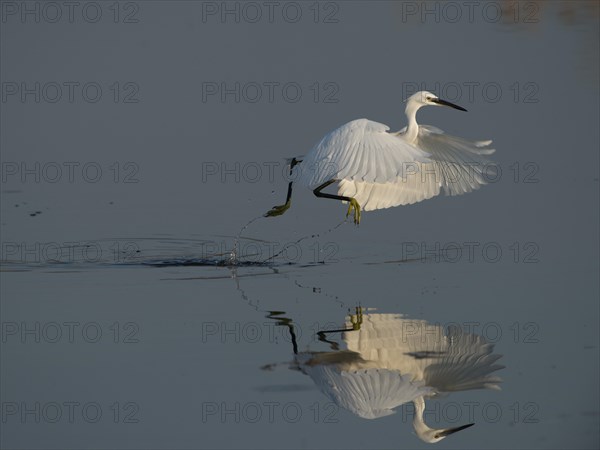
column 450, row 431
column 439, row 101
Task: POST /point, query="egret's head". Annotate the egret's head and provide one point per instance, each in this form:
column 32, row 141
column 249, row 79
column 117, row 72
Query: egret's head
column 427, row 434
column 432, row 436
column 424, row 98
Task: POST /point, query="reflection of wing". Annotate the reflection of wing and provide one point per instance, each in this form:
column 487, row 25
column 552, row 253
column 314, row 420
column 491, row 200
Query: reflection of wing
column 368, row 393
column 391, row 342
column 467, row 364
column 446, row 362
column 391, row 360
column 456, row 166
column 360, row 150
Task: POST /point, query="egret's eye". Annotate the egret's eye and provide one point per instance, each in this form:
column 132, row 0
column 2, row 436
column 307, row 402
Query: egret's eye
column 427, row 98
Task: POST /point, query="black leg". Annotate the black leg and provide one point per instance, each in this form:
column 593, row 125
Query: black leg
column 279, row 210
column 284, row 321
column 355, row 320
column 353, row 203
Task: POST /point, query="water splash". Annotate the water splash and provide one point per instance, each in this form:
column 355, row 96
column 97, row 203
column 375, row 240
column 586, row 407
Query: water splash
column 233, row 258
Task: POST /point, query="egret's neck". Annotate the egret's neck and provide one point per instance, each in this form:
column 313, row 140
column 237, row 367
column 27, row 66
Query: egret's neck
column 412, row 129
column 422, row 430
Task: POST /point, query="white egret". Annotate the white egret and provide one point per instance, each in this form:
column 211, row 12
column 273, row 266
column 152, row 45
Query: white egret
column 376, row 169
column 389, row 360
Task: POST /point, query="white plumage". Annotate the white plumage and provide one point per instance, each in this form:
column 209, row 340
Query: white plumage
column 389, row 360
column 361, row 150
column 455, row 166
column 369, row 393
column 446, row 360
column 376, row 169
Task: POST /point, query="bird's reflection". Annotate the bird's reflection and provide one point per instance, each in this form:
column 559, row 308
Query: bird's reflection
column 386, row 360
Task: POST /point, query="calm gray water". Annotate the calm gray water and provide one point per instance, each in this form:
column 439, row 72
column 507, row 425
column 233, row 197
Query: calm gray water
column 138, row 138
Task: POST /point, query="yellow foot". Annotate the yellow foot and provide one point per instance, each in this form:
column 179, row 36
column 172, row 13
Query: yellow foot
column 354, row 205
column 277, row 210
column 356, row 319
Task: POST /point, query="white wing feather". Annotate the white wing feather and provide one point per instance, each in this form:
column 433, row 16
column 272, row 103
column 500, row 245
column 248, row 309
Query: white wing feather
column 468, row 363
column 361, row 150
column 446, row 360
column 456, row 166
column 368, row 393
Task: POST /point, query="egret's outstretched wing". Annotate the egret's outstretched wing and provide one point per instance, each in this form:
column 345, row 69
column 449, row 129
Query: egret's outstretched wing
column 368, row 393
column 456, row 166
column 361, row 150
column 467, row 364
column 394, row 342
column 451, row 360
